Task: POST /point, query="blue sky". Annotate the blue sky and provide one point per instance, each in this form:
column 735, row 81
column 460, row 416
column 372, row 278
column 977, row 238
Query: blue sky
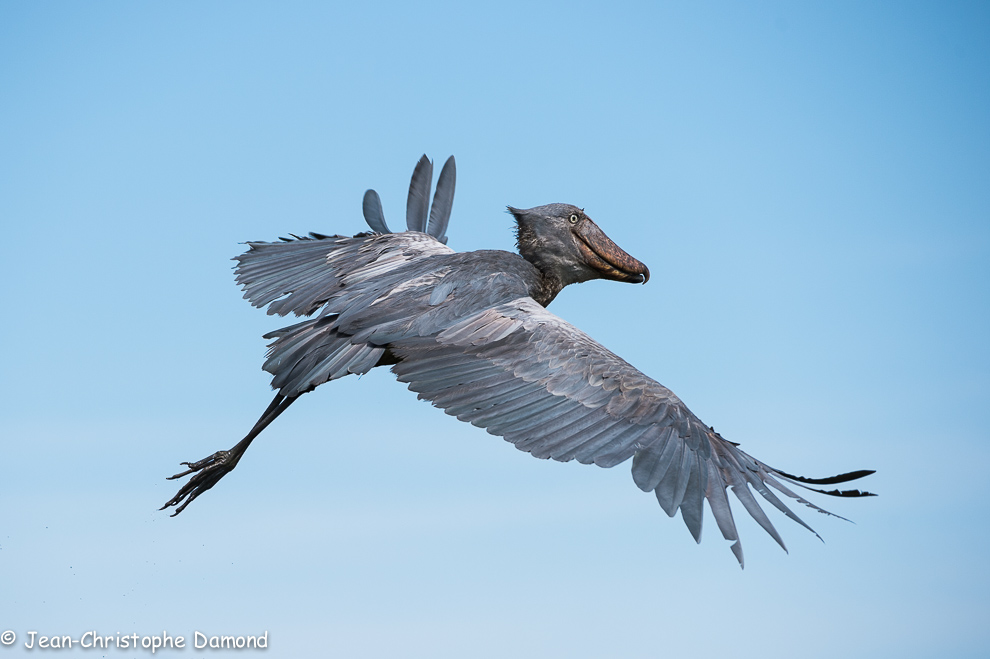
column 808, row 183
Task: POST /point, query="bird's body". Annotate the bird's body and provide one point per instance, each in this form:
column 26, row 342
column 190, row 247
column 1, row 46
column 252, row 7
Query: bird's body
column 470, row 333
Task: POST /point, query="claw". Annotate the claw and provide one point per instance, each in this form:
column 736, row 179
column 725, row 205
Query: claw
column 211, row 469
column 217, row 458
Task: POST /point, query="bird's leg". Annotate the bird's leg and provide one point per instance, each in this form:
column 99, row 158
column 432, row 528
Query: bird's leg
column 211, row 469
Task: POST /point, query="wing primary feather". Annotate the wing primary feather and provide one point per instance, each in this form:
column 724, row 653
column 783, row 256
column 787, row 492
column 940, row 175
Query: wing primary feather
column 574, row 421
column 443, row 201
column 481, row 415
column 475, row 392
column 528, row 416
column 605, row 451
column 670, row 492
column 425, row 364
column 494, row 415
column 607, row 441
column 665, row 488
column 524, row 414
column 462, row 374
column 477, row 388
column 760, row 486
column 741, row 490
column 647, row 467
column 693, row 502
column 780, row 487
column 738, row 552
column 718, row 501
column 373, row 213
column 831, row 480
column 418, row 201
column 800, row 482
column 464, row 409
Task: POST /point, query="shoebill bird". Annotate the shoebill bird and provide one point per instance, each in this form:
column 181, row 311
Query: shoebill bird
column 470, row 333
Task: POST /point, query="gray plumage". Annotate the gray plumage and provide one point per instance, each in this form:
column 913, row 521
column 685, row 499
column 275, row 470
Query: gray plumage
column 373, row 213
column 443, row 201
column 418, row 202
column 470, row 333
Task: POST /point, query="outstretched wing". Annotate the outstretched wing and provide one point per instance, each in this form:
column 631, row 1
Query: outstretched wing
column 523, row 373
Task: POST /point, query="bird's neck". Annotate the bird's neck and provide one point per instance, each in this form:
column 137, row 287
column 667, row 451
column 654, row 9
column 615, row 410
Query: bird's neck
column 547, row 287
column 549, row 281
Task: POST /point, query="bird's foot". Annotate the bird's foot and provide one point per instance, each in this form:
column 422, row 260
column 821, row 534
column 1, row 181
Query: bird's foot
column 210, row 470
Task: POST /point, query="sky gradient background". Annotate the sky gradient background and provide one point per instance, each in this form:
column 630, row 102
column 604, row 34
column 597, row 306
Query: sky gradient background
column 809, row 185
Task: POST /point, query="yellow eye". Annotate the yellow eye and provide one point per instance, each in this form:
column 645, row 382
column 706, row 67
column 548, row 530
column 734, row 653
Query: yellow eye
column 573, row 218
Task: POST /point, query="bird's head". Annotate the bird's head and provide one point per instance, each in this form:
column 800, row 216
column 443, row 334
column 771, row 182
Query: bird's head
column 563, row 242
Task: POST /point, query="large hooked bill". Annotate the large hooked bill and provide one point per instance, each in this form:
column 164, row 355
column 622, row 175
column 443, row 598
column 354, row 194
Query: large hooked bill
column 604, row 255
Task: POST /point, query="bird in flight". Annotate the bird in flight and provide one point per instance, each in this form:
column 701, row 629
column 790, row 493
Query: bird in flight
column 469, row 332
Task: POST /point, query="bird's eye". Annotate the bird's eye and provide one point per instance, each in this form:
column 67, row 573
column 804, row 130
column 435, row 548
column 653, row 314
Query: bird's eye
column 573, row 218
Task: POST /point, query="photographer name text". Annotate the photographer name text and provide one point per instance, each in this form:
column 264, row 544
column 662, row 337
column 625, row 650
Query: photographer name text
column 153, row 643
